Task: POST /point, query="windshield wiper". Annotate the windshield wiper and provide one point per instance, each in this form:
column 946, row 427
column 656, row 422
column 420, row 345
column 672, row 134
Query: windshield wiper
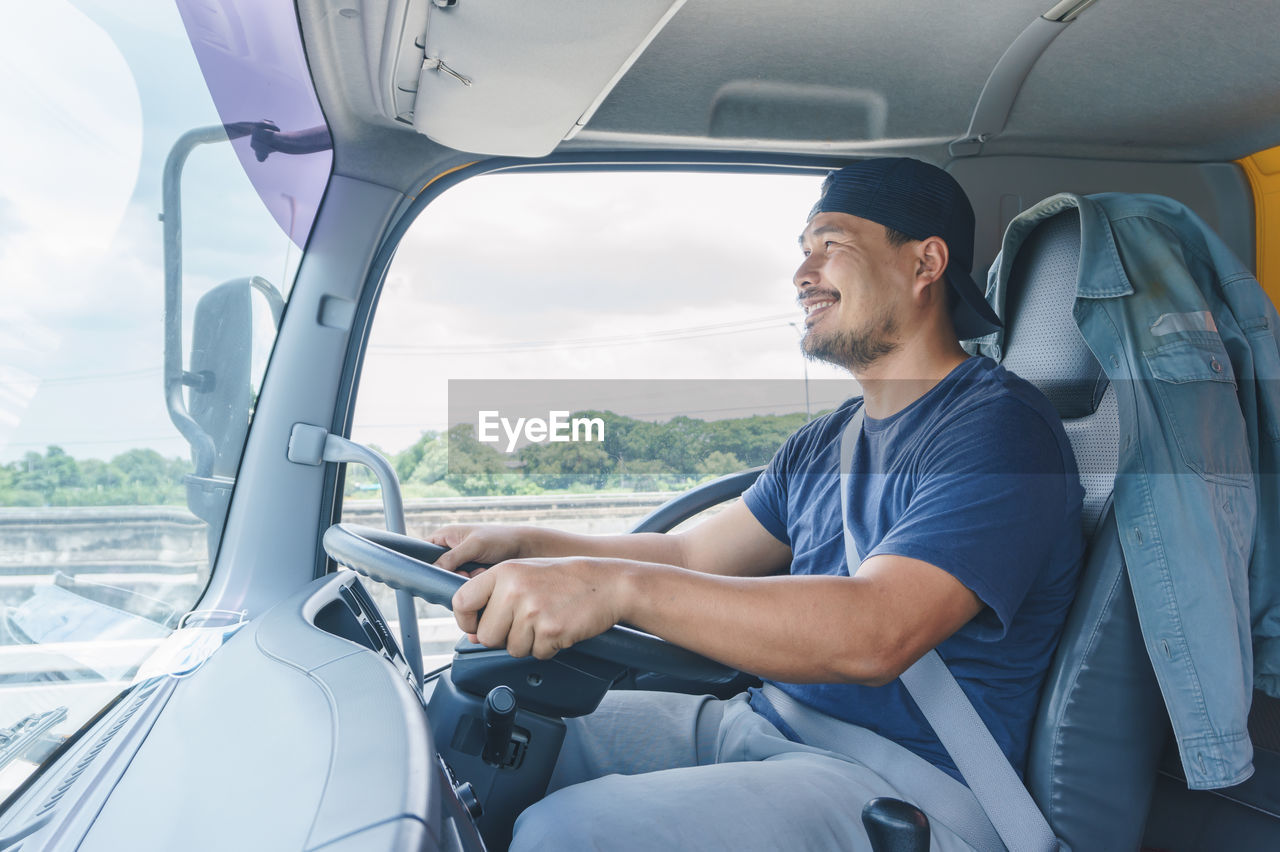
column 26, row 739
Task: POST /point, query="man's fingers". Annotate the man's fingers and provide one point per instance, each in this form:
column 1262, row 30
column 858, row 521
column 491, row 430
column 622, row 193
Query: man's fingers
column 455, row 537
column 447, row 535
column 520, row 638
column 546, row 647
column 494, row 628
column 470, row 598
column 446, row 561
column 461, row 554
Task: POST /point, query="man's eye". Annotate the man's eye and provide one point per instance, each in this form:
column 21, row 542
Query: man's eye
column 828, row 243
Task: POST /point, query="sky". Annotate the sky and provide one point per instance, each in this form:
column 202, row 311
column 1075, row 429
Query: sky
column 96, row 100
column 678, row 283
column 590, row 277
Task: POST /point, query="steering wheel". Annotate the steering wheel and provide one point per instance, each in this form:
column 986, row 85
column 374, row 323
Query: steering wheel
column 404, row 562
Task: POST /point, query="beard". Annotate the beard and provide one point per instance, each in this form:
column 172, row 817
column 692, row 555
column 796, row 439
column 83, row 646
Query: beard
column 854, row 349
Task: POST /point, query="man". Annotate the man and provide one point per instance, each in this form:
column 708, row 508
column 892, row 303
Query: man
column 965, row 507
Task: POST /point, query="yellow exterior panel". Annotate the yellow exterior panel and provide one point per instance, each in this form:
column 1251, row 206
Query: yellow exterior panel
column 1263, row 169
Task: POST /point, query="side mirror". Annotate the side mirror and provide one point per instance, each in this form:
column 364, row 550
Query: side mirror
column 211, row 402
column 219, row 382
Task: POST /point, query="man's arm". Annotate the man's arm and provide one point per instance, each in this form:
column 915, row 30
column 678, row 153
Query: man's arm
column 730, row 542
column 862, row 629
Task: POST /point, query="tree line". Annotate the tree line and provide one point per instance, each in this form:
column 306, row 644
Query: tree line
column 138, row 477
column 635, row 455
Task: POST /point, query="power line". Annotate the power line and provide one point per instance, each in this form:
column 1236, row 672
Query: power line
column 87, row 377
column 690, row 333
column 73, row 443
column 752, row 410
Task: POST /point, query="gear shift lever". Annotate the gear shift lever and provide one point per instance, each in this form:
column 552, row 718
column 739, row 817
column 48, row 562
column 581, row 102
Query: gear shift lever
column 499, row 718
column 895, row 826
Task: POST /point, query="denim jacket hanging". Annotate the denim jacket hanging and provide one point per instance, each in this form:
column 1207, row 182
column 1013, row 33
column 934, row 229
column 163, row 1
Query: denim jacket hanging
column 1191, row 343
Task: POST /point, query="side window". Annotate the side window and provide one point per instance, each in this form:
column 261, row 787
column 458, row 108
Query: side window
column 573, row 350
column 134, row 333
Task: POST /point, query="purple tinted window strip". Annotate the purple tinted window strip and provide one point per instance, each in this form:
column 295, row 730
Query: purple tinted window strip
column 250, row 53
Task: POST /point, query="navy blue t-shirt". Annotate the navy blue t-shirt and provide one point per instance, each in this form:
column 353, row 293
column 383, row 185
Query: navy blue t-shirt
column 975, row 477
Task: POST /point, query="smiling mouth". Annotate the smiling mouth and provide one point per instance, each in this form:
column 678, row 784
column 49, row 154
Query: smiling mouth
column 812, row 309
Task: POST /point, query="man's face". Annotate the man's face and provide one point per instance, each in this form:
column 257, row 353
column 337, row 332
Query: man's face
column 852, row 286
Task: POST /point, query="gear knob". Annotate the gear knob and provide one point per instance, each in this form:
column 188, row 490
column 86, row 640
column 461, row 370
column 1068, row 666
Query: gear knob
column 499, row 719
column 895, row 826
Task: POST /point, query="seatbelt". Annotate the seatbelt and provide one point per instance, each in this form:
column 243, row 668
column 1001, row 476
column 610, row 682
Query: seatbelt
column 948, row 710
column 948, row 802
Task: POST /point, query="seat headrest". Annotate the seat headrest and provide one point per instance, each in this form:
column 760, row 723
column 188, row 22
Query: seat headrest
column 1043, row 344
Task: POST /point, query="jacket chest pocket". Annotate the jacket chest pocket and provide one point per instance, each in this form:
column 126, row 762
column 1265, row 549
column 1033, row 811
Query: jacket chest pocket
column 1195, row 389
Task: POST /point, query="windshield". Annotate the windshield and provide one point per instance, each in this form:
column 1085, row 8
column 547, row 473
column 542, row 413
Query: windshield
column 146, row 262
column 622, row 358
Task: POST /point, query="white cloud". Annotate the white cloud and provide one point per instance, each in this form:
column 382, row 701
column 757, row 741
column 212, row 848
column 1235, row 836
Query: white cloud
column 636, row 276
column 644, row 244
column 81, row 255
column 73, row 138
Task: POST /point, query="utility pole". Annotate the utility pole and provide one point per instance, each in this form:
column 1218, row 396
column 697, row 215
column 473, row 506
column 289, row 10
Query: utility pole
column 804, row 362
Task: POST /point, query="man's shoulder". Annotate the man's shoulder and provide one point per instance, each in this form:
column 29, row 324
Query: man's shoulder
column 981, row 381
column 820, row 432
column 997, row 408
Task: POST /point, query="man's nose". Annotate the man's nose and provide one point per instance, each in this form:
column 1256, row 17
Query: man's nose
column 806, row 274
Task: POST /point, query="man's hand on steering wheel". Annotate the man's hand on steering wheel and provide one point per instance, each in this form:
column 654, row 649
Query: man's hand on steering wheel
column 540, row 606
column 530, row 606
column 485, row 544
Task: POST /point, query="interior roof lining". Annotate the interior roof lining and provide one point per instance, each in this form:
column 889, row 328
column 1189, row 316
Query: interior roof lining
column 1217, row 111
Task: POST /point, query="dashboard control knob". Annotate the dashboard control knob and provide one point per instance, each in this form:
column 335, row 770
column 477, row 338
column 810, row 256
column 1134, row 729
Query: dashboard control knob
column 467, row 795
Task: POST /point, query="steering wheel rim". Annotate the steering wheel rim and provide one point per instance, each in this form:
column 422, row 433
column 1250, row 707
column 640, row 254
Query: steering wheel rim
column 404, row 562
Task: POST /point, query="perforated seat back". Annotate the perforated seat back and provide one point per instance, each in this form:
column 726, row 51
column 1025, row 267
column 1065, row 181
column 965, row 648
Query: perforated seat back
column 1101, row 721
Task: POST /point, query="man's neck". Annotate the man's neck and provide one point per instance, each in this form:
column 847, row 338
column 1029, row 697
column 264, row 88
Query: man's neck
column 898, row 379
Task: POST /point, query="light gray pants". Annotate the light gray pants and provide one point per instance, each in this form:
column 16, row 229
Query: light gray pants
column 661, row 771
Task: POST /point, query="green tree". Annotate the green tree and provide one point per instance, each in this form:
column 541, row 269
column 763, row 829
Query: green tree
column 567, row 465
column 718, row 464
column 476, row 469
column 47, row 475
column 432, row 463
column 407, row 461
column 149, row 478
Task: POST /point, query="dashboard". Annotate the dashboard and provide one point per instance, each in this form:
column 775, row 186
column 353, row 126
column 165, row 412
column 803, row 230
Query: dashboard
column 303, row 731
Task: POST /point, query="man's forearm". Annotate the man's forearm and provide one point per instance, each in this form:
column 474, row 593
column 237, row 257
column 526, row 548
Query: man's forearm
column 797, row 629
column 729, row 542
column 641, row 547
column 867, row 628
column 804, row 629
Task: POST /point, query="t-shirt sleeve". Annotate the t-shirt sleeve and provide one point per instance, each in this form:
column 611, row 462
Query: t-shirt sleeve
column 767, row 496
column 989, row 505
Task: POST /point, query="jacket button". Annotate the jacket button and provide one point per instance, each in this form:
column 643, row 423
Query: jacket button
column 1217, row 368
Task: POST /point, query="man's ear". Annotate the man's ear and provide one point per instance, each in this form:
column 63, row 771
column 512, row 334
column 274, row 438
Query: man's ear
column 932, row 256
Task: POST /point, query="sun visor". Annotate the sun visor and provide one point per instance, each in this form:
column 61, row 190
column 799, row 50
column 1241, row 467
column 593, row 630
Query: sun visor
column 515, row 77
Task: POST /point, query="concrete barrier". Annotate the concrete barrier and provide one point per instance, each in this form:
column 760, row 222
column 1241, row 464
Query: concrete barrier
column 586, row 513
column 160, row 552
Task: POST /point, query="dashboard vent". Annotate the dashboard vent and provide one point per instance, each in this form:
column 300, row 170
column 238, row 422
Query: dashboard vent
column 122, row 717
